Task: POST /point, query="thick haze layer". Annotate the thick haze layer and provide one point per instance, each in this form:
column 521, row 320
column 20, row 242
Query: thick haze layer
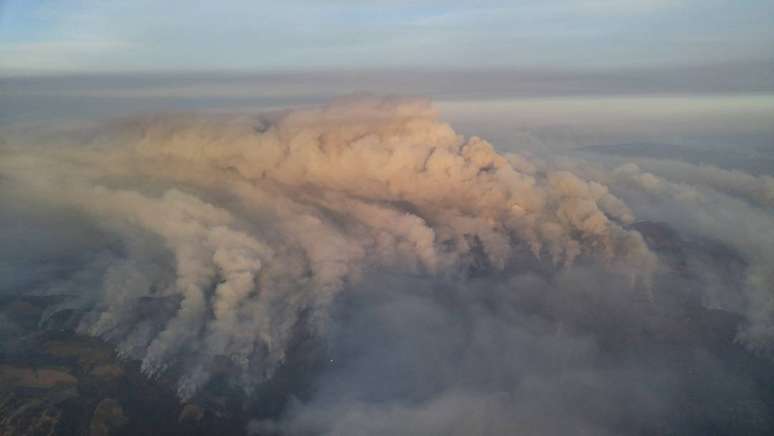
column 454, row 289
column 722, row 113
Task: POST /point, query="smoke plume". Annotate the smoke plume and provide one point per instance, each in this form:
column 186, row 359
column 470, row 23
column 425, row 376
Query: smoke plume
column 456, row 290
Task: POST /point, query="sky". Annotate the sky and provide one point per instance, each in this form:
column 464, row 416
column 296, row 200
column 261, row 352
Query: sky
column 86, row 36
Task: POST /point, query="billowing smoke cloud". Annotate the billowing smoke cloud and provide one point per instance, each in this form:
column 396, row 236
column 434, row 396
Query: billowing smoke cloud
column 457, row 290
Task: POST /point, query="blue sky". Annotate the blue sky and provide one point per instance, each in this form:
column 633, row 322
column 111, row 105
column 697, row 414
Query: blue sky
column 160, row 35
